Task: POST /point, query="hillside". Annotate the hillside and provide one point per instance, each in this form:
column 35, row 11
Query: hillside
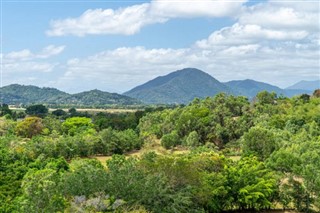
column 97, row 97
column 21, row 94
column 181, row 86
column 250, row 87
column 305, row 85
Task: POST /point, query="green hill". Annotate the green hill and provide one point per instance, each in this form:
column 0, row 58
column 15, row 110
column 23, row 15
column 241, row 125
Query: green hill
column 178, row 87
column 21, row 94
column 98, row 98
column 250, row 88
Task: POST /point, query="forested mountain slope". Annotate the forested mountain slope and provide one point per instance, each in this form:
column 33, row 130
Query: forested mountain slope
column 21, row 94
column 181, row 86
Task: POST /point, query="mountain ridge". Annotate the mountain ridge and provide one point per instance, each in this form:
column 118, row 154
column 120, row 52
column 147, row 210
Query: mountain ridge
column 30, row 94
column 177, row 87
column 305, row 85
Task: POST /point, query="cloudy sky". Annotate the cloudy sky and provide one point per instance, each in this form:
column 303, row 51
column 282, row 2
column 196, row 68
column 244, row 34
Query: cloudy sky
column 115, row 45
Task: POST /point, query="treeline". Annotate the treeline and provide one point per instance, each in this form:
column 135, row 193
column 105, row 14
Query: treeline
column 46, row 165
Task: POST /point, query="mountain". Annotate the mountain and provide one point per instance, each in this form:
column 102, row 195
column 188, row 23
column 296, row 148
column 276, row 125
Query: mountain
column 98, row 98
column 21, row 94
column 250, row 87
column 305, row 85
column 16, row 94
column 181, row 86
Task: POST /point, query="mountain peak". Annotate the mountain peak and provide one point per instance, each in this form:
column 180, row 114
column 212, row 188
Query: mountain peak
column 305, row 85
column 180, row 86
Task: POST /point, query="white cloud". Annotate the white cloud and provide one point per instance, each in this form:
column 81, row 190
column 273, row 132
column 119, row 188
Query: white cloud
column 275, row 42
column 195, row 8
column 25, row 61
column 283, row 15
column 125, row 21
column 244, row 34
column 23, row 54
column 123, row 68
column 130, row 20
column 26, row 54
column 50, row 50
column 18, row 67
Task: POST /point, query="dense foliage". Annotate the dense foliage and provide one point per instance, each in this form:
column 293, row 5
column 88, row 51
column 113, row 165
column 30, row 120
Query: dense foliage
column 16, row 94
column 234, row 155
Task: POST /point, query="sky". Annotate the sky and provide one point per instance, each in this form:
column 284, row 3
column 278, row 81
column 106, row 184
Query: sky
column 116, row 45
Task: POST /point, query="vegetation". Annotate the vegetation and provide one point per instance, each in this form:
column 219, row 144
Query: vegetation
column 179, row 87
column 25, row 95
column 47, row 161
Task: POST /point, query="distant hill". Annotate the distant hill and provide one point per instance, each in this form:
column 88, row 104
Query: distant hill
column 17, row 94
column 181, row 86
column 305, row 85
column 21, row 94
column 250, row 87
column 97, row 97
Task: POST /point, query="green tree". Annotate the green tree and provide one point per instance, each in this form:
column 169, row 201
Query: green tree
column 251, row 184
column 85, row 177
column 170, row 140
column 41, row 192
column 29, row 127
column 38, row 110
column 76, row 125
column 4, row 110
column 192, row 139
column 265, row 97
column 59, row 112
column 260, row 142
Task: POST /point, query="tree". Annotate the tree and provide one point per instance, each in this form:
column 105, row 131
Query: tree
column 29, row 127
column 170, row 140
column 259, row 141
column 86, row 177
column 265, row 97
column 192, row 139
column 76, row 125
column 59, row 112
column 38, row 110
column 4, row 110
column 316, row 93
column 250, row 184
column 41, row 192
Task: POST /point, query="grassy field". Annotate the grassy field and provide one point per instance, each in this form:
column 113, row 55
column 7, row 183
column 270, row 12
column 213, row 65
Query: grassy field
column 156, row 147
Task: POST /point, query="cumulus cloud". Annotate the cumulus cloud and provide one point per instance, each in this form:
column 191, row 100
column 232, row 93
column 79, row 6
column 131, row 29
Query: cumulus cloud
column 195, row 8
column 25, row 61
column 244, row 34
column 125, row 21
column 26, row 54
column 130, row 20
column 283, row 15
column 275, row 42
column 123, row 68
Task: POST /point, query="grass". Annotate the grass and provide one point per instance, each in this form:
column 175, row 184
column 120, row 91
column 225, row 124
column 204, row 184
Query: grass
column 154, row 146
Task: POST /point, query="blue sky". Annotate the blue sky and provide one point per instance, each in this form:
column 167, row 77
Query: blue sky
column 116, row 45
